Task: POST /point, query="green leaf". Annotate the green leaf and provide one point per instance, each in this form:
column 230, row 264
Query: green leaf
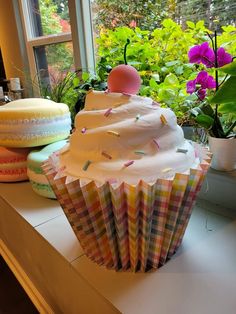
column 133, row 63
column 190, row 24
column 167, row 95
column 153, row 84
column 195, row 111
column 230, row 129
column 156, row 77
column 207, row 109
column 200, row 25
column 114, row 50
column 228, row 29
column 226, row 93
column 144, row 90
column 227, row 108
column 164, row 69
column 229, row 68
column 168, row 23
column 76, row 81
column 179, row 70
column 171, row 63
column 85, row 76
column 204, row 120
column 171, row 79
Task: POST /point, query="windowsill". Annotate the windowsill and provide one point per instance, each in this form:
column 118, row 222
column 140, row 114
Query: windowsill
column 219, row 188
column 40, row 237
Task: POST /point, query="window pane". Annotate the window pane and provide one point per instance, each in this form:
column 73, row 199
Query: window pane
column 149, row 14
column 53, row 61
column 49, row 17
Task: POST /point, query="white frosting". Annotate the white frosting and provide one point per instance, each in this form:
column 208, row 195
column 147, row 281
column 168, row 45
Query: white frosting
column 136, row 122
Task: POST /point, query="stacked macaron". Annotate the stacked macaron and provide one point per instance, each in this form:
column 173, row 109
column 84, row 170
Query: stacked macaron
column 33, row 122
column 13, row 164
column 26, row 124
column 35, row 172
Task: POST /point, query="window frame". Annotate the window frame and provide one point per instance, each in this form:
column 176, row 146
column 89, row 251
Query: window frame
column 81, row 36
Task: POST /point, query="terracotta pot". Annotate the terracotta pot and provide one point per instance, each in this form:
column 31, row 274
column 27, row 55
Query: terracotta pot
column 224, row 153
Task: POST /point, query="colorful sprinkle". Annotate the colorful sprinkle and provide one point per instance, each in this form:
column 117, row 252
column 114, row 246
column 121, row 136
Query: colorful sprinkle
column 180, row 150
column 166, row 170
column 86, row 165
column 140, row 152
column 163, row 119
column 137, row 117
column 106, row 155
column 83, row 130
column 129, row 163
column 156, row 142
column 106, row 114
column 114, row 133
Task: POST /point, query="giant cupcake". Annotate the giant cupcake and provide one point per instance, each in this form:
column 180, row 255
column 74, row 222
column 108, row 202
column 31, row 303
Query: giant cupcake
column 128, row 179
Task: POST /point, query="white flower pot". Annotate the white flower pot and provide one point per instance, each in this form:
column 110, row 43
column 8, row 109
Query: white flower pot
column 224, row 153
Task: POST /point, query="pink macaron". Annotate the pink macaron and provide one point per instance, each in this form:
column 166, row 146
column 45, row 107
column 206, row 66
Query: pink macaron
column 13, row 164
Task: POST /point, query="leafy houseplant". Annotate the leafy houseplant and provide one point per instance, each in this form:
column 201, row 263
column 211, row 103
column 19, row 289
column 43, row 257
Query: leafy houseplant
column 61, row 88
column 217, row 113
column 160, row 56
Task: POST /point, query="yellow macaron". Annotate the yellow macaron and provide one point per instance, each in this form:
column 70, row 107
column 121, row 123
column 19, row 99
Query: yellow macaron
column 33, row 122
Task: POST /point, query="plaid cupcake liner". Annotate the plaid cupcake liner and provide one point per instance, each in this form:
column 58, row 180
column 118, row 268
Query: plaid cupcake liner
column 125, row 226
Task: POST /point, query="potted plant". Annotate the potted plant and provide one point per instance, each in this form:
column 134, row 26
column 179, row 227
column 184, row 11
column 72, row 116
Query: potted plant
column 217, row 112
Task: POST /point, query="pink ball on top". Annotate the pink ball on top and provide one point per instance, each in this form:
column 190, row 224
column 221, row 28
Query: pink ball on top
column 124, row 79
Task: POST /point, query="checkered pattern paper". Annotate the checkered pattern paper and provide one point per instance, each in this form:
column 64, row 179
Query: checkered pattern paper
column 161, row 202
column 119, row 205
column 93, row 205
column 177, row 192
column 81, row 220
column 133, row 208
column 145, row 221
column 58, row 184
column 109, row 221
column 195, row 182
column 185, row 210
column 124, row 226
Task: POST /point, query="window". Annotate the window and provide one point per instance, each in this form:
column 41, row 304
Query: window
column 56, row 40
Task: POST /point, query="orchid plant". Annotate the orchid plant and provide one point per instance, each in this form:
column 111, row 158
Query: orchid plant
column 210, row 110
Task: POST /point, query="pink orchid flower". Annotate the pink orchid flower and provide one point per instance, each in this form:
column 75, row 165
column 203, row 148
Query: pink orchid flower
column 205, row 54
column 202, row 54
column 200, row 84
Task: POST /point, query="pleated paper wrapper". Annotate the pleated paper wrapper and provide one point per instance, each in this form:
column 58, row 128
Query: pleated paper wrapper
column 127, row 227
